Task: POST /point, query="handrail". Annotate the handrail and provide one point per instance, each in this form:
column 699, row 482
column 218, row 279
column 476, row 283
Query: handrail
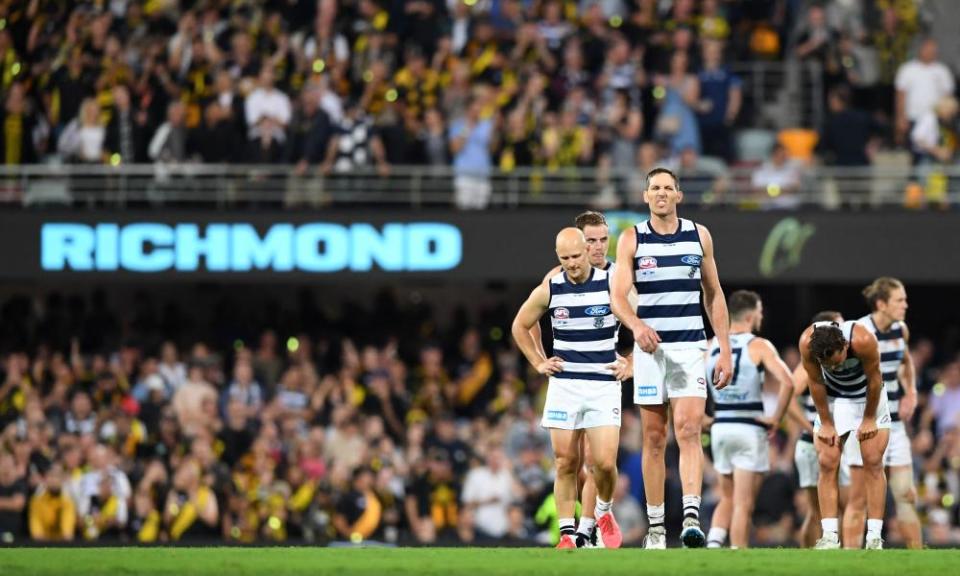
column 219, row 185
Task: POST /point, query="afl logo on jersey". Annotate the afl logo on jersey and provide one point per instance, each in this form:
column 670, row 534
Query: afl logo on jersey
column 561, row 313
column 691, row 260
column 647, row 262
column 597, row 311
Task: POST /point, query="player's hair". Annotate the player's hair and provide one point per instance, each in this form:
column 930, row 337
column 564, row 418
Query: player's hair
column 826, row 316
column 662, row 170
column 589, row 218
column 826, row 340
column 880, row 289
column 741, row 302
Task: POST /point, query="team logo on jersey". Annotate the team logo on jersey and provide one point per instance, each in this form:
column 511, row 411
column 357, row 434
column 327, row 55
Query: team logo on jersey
column 691, row 259
column 598, row 322
column 597, row 311
column 647, row 262
column 561, row 313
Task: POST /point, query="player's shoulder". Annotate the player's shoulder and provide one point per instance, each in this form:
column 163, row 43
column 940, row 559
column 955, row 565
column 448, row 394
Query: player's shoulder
column 553, row 273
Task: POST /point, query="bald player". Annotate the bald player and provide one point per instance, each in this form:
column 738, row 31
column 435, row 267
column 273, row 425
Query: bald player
column 583, row 395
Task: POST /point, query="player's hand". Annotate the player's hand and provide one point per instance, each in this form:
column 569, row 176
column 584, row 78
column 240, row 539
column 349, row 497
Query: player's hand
column 770, row 425
column 550, row 366
column 722, row 371
column 646, row 337
column 827, row 434
column 867, row 429
column 622, row 368
column 908, row 404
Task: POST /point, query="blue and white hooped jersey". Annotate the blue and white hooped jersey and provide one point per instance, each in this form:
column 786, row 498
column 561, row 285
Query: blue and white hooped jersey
column 892, row 347
column 849, row 380
column 667, row 278
column 810, row 411
column 584, row 327
column 740, row 401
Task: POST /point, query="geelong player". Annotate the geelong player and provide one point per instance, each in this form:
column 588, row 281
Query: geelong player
column 670, row 262
column 597, row 235
column 739, row 434
column 842, row 361
column 583, row 395
column 805, row 454
column 887, row 300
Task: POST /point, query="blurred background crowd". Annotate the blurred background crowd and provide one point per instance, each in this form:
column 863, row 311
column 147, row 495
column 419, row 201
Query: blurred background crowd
column 485, row 85
column 288, row 424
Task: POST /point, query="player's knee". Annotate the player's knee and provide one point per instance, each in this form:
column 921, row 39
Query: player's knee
column 566, row 464
column 654, row 440
column 688, row 431
column 605, row 465
column 901, row 485
column 829, row 462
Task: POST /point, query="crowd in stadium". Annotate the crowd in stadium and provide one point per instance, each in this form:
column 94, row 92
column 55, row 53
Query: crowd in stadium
column 380, row 425
column 335, row 86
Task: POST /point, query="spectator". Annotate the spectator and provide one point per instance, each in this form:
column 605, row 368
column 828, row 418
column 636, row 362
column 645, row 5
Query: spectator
column 721, row 96
column 846, row 133
column 268, row 113
column 470, row 139
column 188, row 401
column 488, row 492
column 355, row 146
column 22, row 140
column 676, row 122
column 920, row 83
column 777, row 181
column 169, row 142
column 359, row 512
column 191, row 511
column 82, row 139
column 633, row 524
column 244, row 390
column 944, row 405
column 104, row 496
column 935, row 135
column 53, row 514
column 13, row 498
column 817, row 40
column 125, row 139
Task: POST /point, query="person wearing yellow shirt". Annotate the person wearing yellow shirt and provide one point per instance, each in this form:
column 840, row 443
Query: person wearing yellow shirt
column 53, row 515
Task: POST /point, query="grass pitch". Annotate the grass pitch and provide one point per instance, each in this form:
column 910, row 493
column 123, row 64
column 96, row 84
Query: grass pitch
column 505, row 561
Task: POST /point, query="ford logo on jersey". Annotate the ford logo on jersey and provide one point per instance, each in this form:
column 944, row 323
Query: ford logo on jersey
column 597, row 311
column 691, row 260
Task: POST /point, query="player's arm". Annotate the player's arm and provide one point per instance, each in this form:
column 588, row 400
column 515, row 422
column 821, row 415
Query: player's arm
column 528, row 316
column 908, row 379
column 865, row 344
column 535, row 332
column 716, row 307
column 645, row 336
column 777, row 368
column 818, row 390
column 796, row 412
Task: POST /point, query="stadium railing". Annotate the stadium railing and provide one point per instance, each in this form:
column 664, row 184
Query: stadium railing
column 214, row 185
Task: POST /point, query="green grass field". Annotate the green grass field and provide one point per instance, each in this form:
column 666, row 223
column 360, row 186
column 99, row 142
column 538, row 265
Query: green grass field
column 539, row 561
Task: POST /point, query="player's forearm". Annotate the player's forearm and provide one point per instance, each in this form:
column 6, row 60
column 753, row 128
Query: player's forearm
column 524, row 340
column 537, row 336
column 623, row 311
column 874, row 389
column 784, row 400
column 819, row 395
column 719, row 319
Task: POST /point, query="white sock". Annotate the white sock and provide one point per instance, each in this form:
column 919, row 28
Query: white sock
column 691, row 506
column 874, row 528
column 602, row 509
column 568, row 526
column 829, row 525
column 586, row 526
column 717, row 534
column 655, row 515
